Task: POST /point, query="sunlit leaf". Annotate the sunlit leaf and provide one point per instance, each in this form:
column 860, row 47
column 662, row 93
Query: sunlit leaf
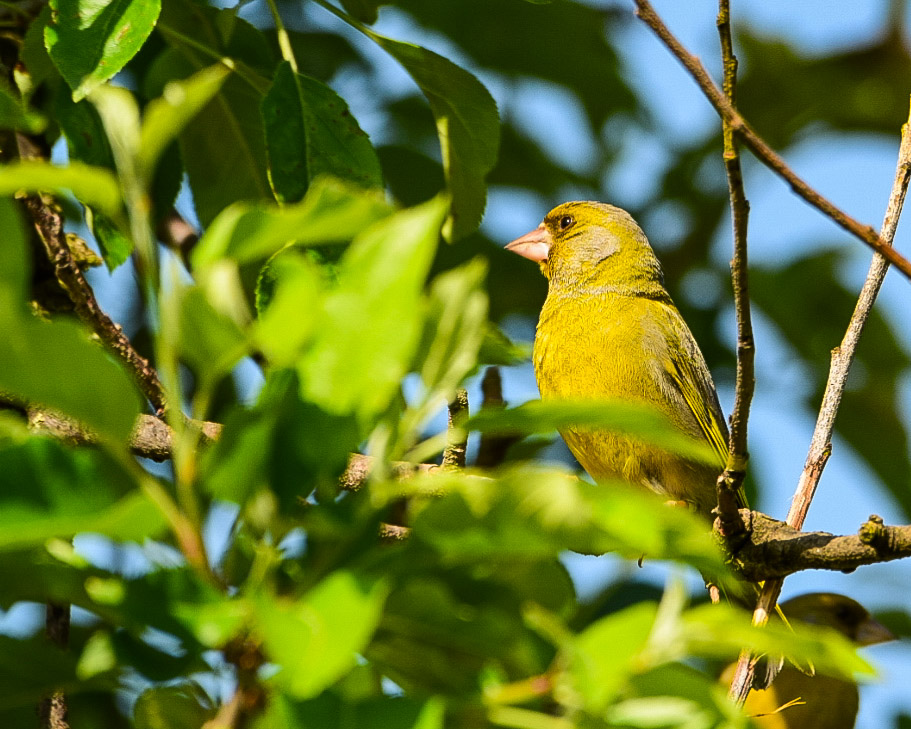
column 316, row 640
column 90, row 42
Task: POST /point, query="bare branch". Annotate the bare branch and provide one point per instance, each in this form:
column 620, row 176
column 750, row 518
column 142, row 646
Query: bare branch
column 731, row 481
column 775, row 549
column 760, row 148
column 49, row 225
column 842, row 357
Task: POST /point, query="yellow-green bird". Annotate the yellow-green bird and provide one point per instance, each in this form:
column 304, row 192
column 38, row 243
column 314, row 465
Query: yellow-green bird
column 796, row 700
column 609, row 330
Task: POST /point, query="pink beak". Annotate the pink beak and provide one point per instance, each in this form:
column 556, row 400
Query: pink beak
column 535, row 246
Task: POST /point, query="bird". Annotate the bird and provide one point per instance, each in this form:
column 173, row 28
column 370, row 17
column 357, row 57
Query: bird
column 798, row 699
column 609, row 330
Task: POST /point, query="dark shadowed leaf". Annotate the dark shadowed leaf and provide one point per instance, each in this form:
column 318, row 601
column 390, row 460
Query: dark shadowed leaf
column 309, row 133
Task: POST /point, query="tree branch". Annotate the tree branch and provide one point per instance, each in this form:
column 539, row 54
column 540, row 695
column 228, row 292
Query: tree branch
column 49, row 225
column 731, row 481
column 775, row 549
column 842, row 357
column 760, row 148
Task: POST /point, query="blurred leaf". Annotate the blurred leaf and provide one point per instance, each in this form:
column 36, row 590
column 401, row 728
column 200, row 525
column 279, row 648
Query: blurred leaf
column 316, row 640
column 363, row 10
column 722, row 631
column 184, row 706
column 291, row 446
column 530, row 514
column 468, row 126
column 440, row 630
column 331, row 212
column 210, row 342
column 329, row 711
column 51, row 491
column 223, row 146
column 91, row 42
column 295, row 285
column 56, row 365
column 33, row 668
column 634, row 419
column 310, row 132
column 849, row 90
column 91, row 185
column 369, row 324
column 586, row 63
column 166, row 116
column 808, row 291
column 14, row 114
column 605, row 654
column 17, row 266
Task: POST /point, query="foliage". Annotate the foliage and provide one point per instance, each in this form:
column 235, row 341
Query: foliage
column 352, row 271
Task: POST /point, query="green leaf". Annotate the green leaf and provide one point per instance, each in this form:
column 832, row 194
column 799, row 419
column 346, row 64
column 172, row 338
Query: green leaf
column 31, row 669
column 454, row 330
column 529, row 514
column 14, row 114
column 310, row 132
column 295, row 285
column 167, row 115
column 370, row 323
column 223, row 146
column 315, row 641
column 634, row 419
column 331, row 212
column 55, row 364
column 91, row 185
column 364, row 10
column 288, row 445
column 330, row 711
column 722, row 631
column 50, row 491
column 210, row 341
column 468, row 127
column 91, row 41
column 16, row 267
column 115, row 246
column 604, row 655
column 185, row 706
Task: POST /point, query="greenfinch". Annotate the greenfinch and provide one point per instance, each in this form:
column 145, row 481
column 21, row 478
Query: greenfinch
column 609, row 330
column 798, row 700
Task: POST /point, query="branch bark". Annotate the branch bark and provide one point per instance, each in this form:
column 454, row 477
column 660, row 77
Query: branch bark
column 731, row 481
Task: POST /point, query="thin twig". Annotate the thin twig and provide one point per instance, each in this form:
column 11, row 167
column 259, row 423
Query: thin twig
column 760, row 148
column 842, row 357
column 735, row 469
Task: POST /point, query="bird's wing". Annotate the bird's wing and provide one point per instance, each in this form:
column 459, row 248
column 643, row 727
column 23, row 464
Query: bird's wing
column 695, row 386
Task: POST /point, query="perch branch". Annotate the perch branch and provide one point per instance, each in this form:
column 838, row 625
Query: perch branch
column 842, row 357
column 775, row 549
column 760, row 148
column 732, row 479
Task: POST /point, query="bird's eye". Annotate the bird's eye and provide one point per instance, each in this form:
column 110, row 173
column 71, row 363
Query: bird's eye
column 567, row 221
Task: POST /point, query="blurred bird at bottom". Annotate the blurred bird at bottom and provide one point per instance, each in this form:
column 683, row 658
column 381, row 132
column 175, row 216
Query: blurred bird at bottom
column 825, row 702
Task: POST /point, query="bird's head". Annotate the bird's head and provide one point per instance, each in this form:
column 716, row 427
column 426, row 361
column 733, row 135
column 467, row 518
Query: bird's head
column 591, row 245
column 842, row 613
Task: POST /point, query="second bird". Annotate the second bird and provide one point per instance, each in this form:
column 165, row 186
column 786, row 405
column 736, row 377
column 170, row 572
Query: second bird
column 610, row 331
